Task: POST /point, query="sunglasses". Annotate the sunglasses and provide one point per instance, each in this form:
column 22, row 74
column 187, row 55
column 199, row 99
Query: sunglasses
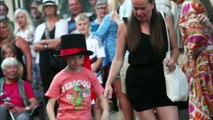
column 101, row 8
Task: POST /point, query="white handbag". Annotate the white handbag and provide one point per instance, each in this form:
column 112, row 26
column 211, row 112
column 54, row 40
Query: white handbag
column 176, row 81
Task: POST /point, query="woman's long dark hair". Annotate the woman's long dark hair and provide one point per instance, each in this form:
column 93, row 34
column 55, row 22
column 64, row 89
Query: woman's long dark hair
column 156, row 35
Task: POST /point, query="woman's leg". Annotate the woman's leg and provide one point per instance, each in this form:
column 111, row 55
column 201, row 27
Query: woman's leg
column 123, row 100
column 3, row 113
column 168, row 113
column 23, row 116
column 146, row 115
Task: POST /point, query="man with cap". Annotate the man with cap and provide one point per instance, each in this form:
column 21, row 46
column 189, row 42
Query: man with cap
column 73, row 85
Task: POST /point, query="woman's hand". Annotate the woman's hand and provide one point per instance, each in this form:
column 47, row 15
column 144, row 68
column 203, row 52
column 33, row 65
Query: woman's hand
column 29, row 78
column 171, row 64
column 9, row 105
column 108, row 91
column 115, row 17
column 203, row 19
column 17, row 110
column 105, row 115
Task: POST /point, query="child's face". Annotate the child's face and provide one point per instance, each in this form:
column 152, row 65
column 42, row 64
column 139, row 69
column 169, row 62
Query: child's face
column 83, row 26
column 21, row 20
column 75, row 62
column 9, row 53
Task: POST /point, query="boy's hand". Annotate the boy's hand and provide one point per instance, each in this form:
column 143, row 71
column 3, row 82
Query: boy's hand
column 105, row 115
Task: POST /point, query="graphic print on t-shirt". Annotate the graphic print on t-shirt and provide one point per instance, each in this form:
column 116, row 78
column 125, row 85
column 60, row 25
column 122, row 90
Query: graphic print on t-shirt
column 79, row 94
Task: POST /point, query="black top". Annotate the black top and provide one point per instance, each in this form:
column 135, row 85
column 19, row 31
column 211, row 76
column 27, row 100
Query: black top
column 144, row 54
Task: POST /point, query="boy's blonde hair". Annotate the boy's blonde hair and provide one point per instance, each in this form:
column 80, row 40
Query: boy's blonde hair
column 81, row 16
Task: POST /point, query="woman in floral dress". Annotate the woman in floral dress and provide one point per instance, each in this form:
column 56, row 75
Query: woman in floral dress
column 197, row 32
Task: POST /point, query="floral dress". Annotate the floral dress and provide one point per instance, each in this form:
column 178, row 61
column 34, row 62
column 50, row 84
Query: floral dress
column 198, row 62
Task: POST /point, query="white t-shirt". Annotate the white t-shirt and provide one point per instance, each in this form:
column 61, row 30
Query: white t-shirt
column 125, row 9
column 95, row 45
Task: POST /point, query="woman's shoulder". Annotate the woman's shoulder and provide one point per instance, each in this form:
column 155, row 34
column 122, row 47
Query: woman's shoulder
column 41, row 26
column 61, row 21
column 106, row 17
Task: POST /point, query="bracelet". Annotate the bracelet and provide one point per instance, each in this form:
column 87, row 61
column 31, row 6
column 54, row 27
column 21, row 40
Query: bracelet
column 27, row 108
column 45, row 46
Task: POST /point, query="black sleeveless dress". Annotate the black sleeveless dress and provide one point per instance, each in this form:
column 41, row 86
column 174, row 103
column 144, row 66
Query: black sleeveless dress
column 145, row 82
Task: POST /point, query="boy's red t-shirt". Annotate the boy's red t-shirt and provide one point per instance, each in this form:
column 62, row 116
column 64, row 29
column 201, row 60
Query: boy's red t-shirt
column 73, row 93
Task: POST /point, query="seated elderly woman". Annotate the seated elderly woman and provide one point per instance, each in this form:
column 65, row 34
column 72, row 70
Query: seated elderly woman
column 16, row 95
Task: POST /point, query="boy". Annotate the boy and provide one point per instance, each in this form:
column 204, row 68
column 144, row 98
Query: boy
column 95, row 45
column 72, row 86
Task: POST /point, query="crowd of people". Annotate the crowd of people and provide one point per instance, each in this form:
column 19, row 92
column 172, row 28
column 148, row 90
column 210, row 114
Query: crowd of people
column 74, row 66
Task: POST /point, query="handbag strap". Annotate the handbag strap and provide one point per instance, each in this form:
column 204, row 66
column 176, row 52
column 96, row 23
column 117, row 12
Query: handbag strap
column 167, row 33
column 47, row 34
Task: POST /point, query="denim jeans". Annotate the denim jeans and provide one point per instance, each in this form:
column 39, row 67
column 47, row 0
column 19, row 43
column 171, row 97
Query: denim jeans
column 5, row 116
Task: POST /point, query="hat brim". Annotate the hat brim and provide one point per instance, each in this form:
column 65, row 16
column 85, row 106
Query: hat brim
column 85, row 52
column 40, row 7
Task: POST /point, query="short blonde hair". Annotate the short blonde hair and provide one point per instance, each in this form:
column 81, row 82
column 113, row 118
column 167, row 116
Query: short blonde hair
column 10, row 61
column 81, row 16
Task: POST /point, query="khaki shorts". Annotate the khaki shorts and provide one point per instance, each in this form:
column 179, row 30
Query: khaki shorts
column 123, row 74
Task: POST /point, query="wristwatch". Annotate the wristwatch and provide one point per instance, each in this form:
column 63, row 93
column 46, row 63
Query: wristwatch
column 27, row 108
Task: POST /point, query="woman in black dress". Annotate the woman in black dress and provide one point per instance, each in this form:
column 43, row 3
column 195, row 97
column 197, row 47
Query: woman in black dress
column 145, row 38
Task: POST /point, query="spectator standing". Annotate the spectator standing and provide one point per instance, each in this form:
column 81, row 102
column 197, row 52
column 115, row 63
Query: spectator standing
column 108, row 34
column 93, row 4
column 75, row 7
column 37, row 15
column 196, row 24
column 24, row 27
column 164, row 6
column 47, row 42
column 93, row 44
column 4, row 11
column 101, row 9
column 146, row 40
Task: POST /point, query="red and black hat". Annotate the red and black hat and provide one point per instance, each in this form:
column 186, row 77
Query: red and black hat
column 73, row 44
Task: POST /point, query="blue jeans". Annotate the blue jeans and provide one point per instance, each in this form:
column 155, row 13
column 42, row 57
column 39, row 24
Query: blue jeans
column 4, row 115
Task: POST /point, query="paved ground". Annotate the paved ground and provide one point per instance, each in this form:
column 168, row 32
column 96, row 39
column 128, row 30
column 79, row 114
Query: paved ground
column 119, row 116
column 113, row 116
